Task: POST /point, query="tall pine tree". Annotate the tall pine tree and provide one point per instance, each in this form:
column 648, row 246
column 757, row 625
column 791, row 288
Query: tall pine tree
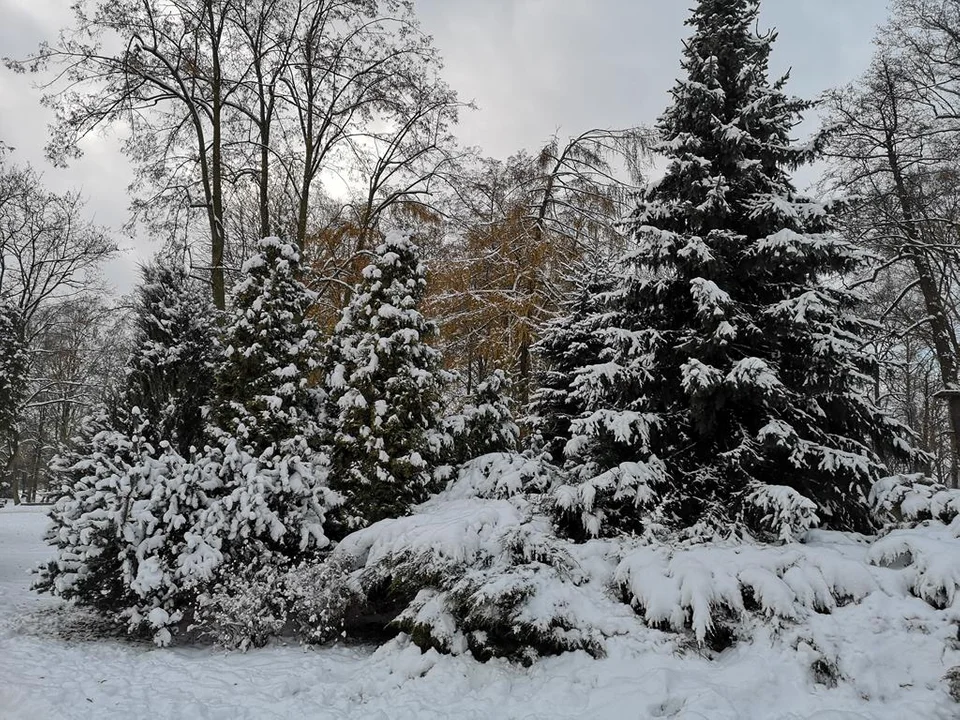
column 272, row 504
column 729, row 388
column 383, row 390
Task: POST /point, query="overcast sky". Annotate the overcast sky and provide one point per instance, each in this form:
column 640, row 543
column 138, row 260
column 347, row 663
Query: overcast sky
column 533, row 67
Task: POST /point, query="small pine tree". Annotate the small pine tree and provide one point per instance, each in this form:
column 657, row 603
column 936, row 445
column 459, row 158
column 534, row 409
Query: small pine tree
column 383, row 390
column 730, row 382
column 568, row 343
column 485, row 424
column 170, row 371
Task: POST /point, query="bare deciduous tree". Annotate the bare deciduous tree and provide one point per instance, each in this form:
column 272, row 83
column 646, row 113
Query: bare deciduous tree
column 48, row 259
column 893, row 139
column 228, row 100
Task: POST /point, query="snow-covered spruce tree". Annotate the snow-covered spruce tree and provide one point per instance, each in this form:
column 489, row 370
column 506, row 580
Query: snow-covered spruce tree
column 383, row 385
column 485, row 424
column 568, row 343
column 170, row 371
column 729, row 392
column 274, row 498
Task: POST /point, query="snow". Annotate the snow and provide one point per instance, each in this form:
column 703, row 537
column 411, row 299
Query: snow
column 889, row 651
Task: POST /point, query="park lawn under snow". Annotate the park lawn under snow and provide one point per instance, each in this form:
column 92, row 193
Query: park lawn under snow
column 891, row 650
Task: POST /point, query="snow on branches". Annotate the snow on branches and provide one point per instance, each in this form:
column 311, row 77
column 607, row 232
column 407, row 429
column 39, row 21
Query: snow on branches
column 151, row 518
column 383, row 387
column 720, row 360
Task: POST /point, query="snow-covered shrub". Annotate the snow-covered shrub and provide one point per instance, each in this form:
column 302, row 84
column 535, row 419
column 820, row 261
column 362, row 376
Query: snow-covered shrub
column 321, row 597
column 707, row 588
column 931, row 555
column 241, row 610
column 383, row 384
column 909, row 499
column 272, row 504
column 952, row 678
column 125, row 535
column 484, row 576
column 925, row 520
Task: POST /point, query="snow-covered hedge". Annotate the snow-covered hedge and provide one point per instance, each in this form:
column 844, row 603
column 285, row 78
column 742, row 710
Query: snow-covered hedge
column 929, row 557
column 907, row 499
column 708, row 588
column 481, row 568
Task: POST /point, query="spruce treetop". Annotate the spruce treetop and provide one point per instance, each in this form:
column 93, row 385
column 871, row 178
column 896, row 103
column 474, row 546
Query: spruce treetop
column 727, row 134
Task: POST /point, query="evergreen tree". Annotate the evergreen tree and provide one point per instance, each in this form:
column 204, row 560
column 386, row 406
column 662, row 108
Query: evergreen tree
column 485, row 425
column 262, row 394
column 13, row 373
column 568, row 342
column 383, row 390
column 170, row 371
column 128, row 496
column 148, row 535
column 728, row 390
column 273, row 501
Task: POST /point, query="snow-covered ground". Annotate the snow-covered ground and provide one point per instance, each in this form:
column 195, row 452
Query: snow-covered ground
column 892, row 651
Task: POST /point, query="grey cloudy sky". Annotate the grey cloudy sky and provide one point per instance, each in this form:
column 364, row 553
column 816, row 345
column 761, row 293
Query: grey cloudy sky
column 533, row 67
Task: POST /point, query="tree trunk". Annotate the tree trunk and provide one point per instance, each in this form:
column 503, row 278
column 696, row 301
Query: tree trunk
column 10, row 472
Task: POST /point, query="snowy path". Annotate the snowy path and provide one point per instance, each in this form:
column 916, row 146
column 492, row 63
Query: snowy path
column 45, row 678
